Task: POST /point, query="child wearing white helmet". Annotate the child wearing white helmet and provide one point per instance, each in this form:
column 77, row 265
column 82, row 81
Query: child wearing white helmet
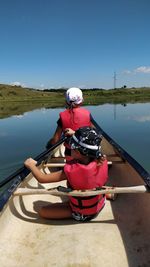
column 88, row 170
column 74, row 96
column 72, row 118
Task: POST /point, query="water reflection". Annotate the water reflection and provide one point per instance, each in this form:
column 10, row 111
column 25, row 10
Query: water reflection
column 8, row 109
column 25, row 135
column 129, row 126
column 140, row 118
column 115, row 112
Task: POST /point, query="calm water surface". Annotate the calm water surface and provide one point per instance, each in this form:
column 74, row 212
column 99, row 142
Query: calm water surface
column 25, row 136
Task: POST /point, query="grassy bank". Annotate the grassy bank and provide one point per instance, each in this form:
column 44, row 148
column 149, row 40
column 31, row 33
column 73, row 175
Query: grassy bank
column 15, row 100
column 17, row 93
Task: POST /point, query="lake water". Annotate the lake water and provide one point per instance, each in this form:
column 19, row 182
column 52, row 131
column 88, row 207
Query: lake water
column 26, row 135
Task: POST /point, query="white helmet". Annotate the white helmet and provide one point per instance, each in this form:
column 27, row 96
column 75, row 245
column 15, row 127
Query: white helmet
column 74, row 96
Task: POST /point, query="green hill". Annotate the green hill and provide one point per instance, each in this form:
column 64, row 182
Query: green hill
column 92, row 96
column 18, row 93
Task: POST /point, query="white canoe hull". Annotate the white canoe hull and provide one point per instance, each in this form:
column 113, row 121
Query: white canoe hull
column 118, row 237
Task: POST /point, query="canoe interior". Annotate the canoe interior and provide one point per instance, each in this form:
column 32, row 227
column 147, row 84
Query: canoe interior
column 119, row 236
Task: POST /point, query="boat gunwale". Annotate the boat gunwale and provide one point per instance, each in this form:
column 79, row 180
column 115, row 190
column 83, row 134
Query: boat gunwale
column 125, row 156
column 18, row 176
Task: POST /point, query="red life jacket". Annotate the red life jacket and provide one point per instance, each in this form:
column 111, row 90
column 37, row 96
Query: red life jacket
column 85, row 177
column 75, row 118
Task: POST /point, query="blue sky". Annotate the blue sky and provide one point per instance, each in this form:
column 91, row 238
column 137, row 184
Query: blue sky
column 55, row 43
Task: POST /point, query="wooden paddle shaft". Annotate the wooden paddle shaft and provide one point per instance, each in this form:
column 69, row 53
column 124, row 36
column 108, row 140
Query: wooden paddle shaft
column 53, row 164
column 104, row 190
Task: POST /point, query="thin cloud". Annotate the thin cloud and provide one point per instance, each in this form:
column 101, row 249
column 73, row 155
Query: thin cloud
column 142, row 69
column 18, row 84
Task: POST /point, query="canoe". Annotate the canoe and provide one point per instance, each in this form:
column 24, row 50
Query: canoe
column 119, row 236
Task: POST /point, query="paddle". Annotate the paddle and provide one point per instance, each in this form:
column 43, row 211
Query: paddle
column 23, row 171
column 63, row 191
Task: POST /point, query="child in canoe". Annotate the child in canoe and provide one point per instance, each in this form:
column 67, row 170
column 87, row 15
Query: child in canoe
column 88, row 170
column 73, row 117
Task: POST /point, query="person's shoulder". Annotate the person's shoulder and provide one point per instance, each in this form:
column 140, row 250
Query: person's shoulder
column 70, row 166
column 71, row 162
column 63, row 112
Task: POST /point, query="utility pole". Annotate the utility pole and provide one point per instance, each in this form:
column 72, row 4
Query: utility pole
column 115, row 80
column 115, row 111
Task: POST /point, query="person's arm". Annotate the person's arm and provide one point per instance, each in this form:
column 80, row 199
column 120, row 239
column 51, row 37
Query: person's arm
column 42, row 177
column 56, row 137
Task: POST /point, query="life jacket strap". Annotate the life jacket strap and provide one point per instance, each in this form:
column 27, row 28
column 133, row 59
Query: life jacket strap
column 80, row 203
